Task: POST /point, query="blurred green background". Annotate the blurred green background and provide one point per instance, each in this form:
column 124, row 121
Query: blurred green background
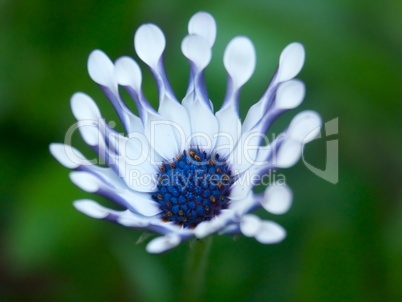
column 344, row 241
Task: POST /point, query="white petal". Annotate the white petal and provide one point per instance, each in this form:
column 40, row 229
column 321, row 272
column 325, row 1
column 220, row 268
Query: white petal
column 242, row 187
column 68, row 156
column 107, row 175
column 100, row 68
column 264, row 153
column 135, row 149
column 245, row 153
column 289, row 153
column 86, row 181
column 162, row 135
column 240, row 207
column 290, row 62
column 231, row 229
column 175, row 112
column 290, row 94
column 141, row 203
column 132, row 220
column 270, row 232
column 91, row 208
column 84, row 108
column 126, row 218
column 164, row 243
column 197, row 50
column 249, row 225
column 135, row 201
column 128, row 73
column 254, row 115
column 229, row 130
column 139, row 178
column 135, row 163
column 239, row 60
column 138, row 202
column 305, row 126
column 102, row 71
column 203, row 229
column 132, row 223
column 134, row 124
column 204, row 126
column 203, row 24
column 89, row 132
column 149, row 43
column 207, row 228
column 277, row 199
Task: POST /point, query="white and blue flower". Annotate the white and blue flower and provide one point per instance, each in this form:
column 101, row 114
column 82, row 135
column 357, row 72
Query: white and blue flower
column 184, row 171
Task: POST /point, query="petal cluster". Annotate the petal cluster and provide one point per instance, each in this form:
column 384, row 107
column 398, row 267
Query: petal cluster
column 156, row 136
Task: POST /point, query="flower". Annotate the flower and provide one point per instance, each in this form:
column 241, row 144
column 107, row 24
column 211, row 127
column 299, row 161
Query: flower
column 183, row 171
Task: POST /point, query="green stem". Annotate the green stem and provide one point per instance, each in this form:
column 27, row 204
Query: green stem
column 195, row 270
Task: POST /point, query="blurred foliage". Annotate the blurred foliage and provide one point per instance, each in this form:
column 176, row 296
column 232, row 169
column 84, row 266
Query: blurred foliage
column 344, row 240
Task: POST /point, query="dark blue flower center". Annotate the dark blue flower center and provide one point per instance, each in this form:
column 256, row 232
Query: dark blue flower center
column 193, row 188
